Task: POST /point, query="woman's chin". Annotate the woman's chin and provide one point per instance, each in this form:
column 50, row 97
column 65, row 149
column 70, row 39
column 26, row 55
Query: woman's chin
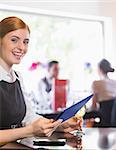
column 17, row 62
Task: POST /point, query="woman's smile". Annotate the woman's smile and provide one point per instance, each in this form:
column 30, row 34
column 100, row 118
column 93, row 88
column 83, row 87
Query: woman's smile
column 18, row 55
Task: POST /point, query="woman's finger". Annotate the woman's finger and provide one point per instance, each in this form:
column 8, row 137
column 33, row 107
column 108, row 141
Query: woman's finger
column 51, row 128
column 51, row 125
column 54, row 124
column 50, row 133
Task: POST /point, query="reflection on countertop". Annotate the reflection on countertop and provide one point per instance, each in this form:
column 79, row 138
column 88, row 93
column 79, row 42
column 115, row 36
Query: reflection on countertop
column 94, row 138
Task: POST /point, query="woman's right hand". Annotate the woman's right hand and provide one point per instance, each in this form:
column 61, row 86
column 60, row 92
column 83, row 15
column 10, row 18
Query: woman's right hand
column 44, row 127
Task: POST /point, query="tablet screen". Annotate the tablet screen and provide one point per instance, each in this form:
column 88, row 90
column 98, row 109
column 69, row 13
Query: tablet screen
column 71, row 111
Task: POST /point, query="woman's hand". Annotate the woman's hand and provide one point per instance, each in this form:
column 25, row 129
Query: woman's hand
column 44, row 127
column 71, row 125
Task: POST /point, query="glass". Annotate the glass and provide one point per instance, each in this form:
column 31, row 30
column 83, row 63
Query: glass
column 79, row 116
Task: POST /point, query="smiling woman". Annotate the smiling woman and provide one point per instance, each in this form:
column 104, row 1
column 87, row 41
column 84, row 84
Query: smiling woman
column 16, row 44
column 15, row 108
column 14, row 35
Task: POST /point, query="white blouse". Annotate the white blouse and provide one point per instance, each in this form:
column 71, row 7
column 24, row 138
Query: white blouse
column 11, row 77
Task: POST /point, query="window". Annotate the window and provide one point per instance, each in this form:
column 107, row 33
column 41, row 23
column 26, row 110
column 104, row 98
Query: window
column 78, row 43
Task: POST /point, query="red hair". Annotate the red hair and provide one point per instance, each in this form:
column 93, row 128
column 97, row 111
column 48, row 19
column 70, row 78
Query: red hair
column 11, row 24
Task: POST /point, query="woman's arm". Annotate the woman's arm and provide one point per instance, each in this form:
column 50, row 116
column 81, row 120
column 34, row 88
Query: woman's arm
column 40, row 127
column 14, row 134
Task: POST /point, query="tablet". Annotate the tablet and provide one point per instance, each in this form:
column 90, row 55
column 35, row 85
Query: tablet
column 72, row 110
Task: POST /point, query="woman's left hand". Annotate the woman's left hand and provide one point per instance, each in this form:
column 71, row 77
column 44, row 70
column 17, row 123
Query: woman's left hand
column 71, row 125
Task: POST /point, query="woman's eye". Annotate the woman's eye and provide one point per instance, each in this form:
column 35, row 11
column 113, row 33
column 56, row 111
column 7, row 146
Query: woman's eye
column 14, row 40
column 26, row 42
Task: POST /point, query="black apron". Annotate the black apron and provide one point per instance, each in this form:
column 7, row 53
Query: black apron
column 12, row 105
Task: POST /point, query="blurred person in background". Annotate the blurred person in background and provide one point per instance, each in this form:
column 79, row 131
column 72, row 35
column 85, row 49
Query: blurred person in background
column 44, row 104
column 104, row 94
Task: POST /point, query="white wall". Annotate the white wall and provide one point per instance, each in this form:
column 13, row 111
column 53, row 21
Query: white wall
column 98, row 8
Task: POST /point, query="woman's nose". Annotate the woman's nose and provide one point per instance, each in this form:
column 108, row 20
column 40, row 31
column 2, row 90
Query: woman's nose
column 21, row 46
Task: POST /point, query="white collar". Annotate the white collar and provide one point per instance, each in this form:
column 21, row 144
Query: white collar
column 8, row 76
column 49, row 79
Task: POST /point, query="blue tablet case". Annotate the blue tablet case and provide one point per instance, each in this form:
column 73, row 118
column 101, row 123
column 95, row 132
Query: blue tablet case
column 71, row 111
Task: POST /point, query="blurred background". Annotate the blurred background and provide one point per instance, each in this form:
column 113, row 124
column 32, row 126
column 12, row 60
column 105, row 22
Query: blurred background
column 78, row 34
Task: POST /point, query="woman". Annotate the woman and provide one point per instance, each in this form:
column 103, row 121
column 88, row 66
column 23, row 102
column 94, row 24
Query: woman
column 17, row 119
column 104, row 92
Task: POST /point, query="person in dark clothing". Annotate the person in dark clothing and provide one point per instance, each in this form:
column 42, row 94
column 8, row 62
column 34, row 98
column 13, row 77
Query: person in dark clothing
column 104, row 94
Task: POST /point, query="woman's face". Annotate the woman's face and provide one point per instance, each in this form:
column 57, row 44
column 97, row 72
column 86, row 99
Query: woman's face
column 14, row 46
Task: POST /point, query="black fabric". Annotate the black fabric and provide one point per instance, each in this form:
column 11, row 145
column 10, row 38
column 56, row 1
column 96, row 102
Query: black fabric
column 51, row 115
column 48, row 85
column 106, row 113
column 12, row 104
column 113, row 115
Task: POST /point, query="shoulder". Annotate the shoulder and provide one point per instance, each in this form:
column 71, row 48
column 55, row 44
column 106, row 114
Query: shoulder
column 20, row 78
column 113, row 81
column 19, row 75
column 96, row 82
column 42, row 82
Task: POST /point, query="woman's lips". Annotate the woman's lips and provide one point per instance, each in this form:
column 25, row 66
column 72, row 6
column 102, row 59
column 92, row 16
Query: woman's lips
column 18, row 55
